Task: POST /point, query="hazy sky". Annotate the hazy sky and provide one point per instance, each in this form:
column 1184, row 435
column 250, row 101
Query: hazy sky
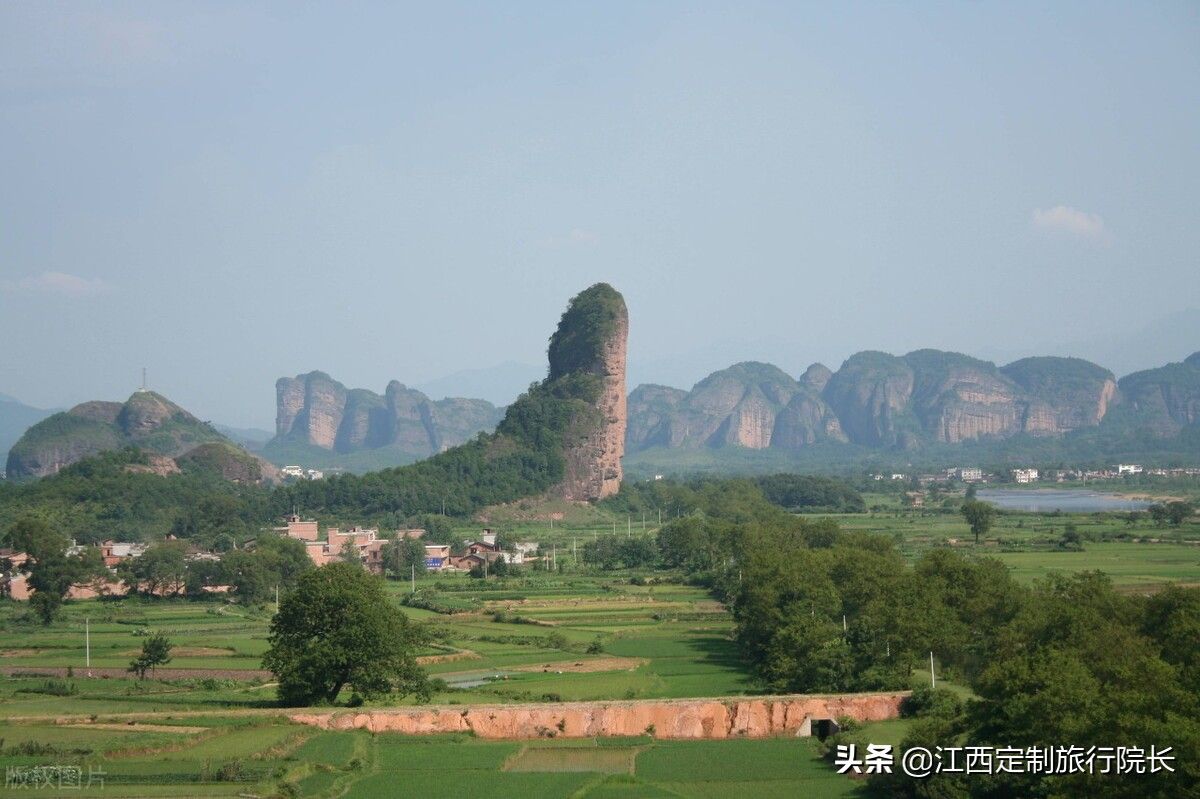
column 230, row 193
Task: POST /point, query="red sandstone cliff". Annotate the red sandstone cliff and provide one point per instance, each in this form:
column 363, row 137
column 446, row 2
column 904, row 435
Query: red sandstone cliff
column 665, row 718
column 590, row 344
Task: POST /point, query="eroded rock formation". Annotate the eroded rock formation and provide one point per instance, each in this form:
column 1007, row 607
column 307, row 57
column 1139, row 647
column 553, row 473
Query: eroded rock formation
column 883, row 401
column 588, row 347
column 668, row 718
column 314, row 410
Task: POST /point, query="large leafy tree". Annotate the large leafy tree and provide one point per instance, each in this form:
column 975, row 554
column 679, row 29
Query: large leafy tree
column 979, row 516
column 51, row 571
column 274, row 562
column 338, row 628
column 161, row 569
column 403, row 556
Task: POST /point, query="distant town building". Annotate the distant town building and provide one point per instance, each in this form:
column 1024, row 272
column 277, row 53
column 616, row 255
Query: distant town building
column 969, row 474
column 300, row 473
column 1129, row 468
column 1025, row 475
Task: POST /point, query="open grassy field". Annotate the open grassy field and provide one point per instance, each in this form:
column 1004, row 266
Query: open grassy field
column 1134, row 553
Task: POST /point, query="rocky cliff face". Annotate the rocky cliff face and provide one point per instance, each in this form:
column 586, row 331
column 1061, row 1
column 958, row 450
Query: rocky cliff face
column 587, row 361
column 314, row 410
column 146, row 420
column 806, row 420
column 652, row 409
column 310, row 407
column 870, row 395
column 883, row 401
column 1063, row 394
column 1161, row 401
column 731, row 717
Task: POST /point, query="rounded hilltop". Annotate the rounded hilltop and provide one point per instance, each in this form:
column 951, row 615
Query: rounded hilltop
column 147, row 420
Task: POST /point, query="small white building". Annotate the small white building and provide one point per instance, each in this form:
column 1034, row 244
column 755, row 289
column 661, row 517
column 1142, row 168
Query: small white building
column 1129, row 468
column 522, row 552
column 969, row 474
column 1025, row 475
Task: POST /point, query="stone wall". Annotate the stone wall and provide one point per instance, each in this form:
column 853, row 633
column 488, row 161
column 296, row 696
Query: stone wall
column 758, row 717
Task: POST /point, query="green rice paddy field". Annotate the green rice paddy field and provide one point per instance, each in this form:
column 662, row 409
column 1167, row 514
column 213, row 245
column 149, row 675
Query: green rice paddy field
column 268, row 757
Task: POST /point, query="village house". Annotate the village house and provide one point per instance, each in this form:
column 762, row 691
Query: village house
column 437, row 557
column 364, row 542
column 467, row 562
column 1025, row 475
column 969, row 474
column 523, row 552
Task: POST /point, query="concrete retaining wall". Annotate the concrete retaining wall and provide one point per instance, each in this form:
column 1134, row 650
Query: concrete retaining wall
column 730, row 717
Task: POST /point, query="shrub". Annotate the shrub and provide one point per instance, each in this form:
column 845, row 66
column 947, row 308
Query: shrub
column 926, row 702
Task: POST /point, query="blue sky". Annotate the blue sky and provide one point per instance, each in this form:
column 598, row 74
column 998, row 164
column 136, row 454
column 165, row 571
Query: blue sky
column 230, row 193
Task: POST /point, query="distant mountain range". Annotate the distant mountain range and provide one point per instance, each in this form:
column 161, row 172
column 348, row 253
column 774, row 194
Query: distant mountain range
column 925, row 399
column 319, row 422
column 928, row 403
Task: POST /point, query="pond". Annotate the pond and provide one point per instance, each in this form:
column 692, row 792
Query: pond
column 1067, row 500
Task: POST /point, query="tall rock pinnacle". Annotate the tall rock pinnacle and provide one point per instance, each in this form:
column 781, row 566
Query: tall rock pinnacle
column 589, row 345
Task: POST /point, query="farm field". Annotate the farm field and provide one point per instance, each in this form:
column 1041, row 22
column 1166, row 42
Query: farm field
column 1137, row 554
column 207, row 724
column 516, row 641
column 265, row 756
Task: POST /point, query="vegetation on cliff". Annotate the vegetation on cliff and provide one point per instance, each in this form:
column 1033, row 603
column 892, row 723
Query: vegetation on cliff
column 146, row 420
column 588, row 325
column 526, row 455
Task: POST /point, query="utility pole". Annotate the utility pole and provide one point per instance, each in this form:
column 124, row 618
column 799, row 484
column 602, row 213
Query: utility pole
column 575, row 551
column 87, row 643
column 276, row 598
column 843, row 622
column 660, row 517
column 554, row 557
column 413, row 568
column 643, row 521
column 932, row 678
column 628, row 526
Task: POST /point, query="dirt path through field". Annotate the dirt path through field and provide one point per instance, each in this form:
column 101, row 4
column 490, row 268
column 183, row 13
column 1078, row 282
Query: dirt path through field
column 161, row 674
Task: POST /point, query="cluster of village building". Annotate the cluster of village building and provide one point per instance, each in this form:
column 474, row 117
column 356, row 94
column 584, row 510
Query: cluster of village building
column 300, row 473
column 973, row 474
column 368, row 545
column 365, row 543
column 15, row 582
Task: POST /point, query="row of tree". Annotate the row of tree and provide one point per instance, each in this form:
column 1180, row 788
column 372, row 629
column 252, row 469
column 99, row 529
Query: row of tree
column 1068, row 661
